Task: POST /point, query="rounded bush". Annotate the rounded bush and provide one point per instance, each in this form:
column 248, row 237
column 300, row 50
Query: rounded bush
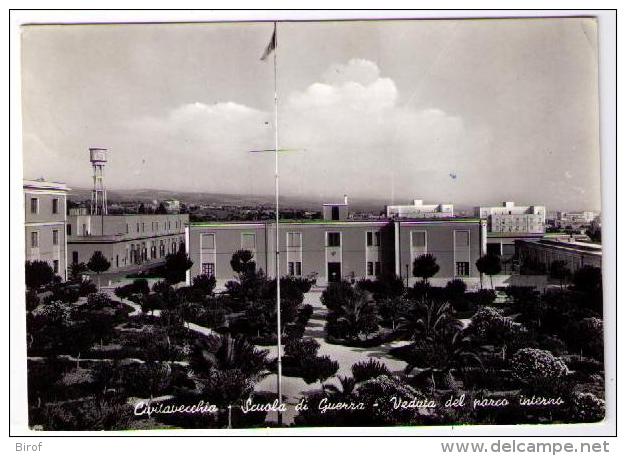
column 537, row 367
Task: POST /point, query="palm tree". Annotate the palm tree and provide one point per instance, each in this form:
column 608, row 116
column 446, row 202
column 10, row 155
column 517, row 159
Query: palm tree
column 450, row 353
column 225, row 352
column 429, row 319
column 357, row 314
column 344, row 391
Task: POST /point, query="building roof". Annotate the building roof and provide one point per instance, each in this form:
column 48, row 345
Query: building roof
column 571, row 246
column 382, row 221
column 40, row 184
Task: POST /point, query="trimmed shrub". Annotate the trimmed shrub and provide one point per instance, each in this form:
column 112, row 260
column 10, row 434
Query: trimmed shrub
column 365, row 370
column 318, row 369
column 588, row 408
column 538, row 368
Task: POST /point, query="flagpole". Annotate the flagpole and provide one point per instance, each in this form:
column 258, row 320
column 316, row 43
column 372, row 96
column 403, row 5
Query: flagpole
column 278, row 323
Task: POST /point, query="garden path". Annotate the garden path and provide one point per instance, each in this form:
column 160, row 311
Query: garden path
column 295, row 387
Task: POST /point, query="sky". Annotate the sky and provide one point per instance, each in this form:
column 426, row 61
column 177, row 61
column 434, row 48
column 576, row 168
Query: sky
column 470, row 112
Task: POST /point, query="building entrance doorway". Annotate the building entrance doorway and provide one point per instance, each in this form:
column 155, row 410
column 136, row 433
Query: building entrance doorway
column 334, row 271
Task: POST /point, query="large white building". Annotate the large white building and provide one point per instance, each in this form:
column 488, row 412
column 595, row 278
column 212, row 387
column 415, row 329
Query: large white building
column 508, row 223
column 420, row 210
column 510, row 218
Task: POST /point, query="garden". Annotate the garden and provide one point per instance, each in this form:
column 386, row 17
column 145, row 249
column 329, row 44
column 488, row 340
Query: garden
column 94, row 354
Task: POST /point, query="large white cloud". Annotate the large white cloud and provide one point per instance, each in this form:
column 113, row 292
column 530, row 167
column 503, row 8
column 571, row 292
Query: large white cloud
column 354, row 133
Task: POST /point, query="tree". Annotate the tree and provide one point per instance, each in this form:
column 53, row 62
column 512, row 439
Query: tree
column 161, row 209
column 352, row 316
column 429, row 318
column 343, row 394
column 176, row 266
column 451, row 352
column 588, row 279
column 98, row 264
column 243, row 263
column 141, row 209
column 364, row 370
column 77, row 270
column 425, row 266
column 204, row 283
column 38, row 273
column 488, row 264
column 594, row 232
column 319, row 369
column 489, row 326
column 224, row 353
column 559, row 271
column 392, row 309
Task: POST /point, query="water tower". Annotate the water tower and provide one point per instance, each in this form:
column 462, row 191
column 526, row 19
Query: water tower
column 98, row 158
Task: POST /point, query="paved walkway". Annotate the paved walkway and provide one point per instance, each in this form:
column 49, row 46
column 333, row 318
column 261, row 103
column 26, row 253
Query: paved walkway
column 295, row 387
column 156, row 313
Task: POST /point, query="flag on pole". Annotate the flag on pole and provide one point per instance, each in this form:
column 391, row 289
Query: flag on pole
column 271, row 45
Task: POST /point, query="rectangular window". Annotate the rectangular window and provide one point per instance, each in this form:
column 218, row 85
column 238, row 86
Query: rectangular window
column 298, row 268
column 291, row 268
column 69, row 229
column 34, row 205
column 294, row 239
column 55, row 237
column 370, row 268
column 377, row 268
column 373, row 238
column 248, row 241
column 333, row 239
column 34, row 239
column 418, row 238
column 143, row 227
column 462, row 268
column 461, row 239
column 208, row 269
column 138, row 227
column 55, row 205
column 208, row 241
column 55, row 266
column 74, row 257
column 335, row 213
column 85, row 233
column 127, row 228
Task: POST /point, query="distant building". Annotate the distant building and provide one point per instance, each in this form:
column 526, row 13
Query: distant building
column 127, row 241
column 172, row 206
column 420, row 210
column 44, row 224
column 508, row 223
column 575, row 254
column 336, row 211
column 510, row 218
column 575, row 219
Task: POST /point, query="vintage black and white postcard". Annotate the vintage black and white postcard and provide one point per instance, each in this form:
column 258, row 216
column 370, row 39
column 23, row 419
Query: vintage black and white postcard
column 289, row 224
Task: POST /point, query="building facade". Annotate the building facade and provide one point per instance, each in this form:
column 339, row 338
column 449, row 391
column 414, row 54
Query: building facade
column 44, row 224
column 334, row 249
column 574, row 254
column 127, row 241
column 575, row 219
column 508, row 223
column 420, row 210
column 510, row 218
